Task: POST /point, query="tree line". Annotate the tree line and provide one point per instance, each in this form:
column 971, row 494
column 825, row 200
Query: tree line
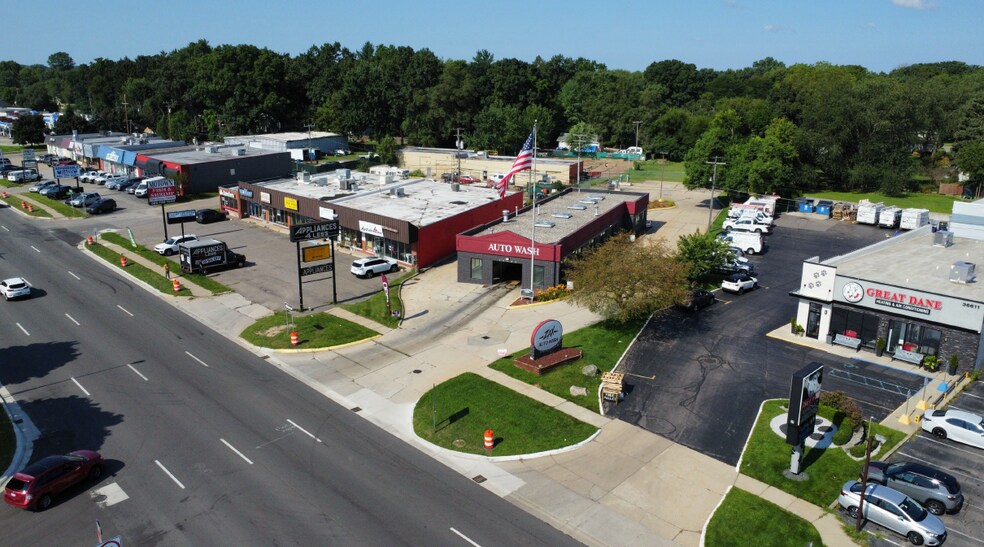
column 768, row 127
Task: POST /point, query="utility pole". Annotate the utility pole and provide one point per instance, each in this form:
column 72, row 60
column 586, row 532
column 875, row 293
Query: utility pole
column 637, row 123
column 662, row 166
column 579, row 142
column 309, row 126
column 710, row 204
column 459, row 145
column 126, row 114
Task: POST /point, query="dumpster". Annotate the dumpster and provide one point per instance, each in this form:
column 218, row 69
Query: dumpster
column 804, row 205
column 824, row 207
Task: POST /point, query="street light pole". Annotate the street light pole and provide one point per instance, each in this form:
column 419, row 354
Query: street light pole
column 662, row 166
column 637, row 123
column 710, row 204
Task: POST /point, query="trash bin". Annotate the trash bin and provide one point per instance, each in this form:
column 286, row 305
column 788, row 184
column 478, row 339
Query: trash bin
column 830, row 338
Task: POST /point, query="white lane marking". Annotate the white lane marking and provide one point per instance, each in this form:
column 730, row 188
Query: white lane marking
column 173, row 478
column 75, row 276
column 197, row 359
column 464, row 537
column 138, row 372
column 23, row 329
column 35, row 248
column 111, row 494
column 124, row 309
column 73, row 319
column 5, row 228
column 80, row 387
column 972, row 395
column 240, row 454
column 291, row 422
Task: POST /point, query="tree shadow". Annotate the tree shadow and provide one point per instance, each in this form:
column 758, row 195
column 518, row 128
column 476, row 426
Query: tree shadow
column 19, row 364
column 67, row 424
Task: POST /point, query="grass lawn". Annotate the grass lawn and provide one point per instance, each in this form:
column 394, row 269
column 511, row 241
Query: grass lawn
column 202, row 281
column 318, row 330
column 141, row 272
column 60, row 206
column 673, row 171
column 767, row 456
column 602, row 344
column 468, row 404
column 934, row 202
column 374, row 307
column 746, row 519
column 15, row 201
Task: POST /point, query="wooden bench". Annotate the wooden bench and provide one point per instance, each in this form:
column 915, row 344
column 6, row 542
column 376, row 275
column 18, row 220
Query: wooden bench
column 840, row 339
column 908, row 356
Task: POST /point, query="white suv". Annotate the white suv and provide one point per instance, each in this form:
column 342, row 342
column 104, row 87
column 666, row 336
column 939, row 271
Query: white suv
column 170, row 245
column 372, row 266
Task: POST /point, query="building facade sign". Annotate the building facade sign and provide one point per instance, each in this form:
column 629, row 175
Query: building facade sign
column 290, row 203
column 370, row 228
column 264, row 197
column 245, row 192
column 922, row 305
column 226, row 193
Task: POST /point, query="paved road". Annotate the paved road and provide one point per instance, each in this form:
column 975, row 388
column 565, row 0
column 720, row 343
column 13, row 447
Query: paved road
column 206, row 442
column 712, row 369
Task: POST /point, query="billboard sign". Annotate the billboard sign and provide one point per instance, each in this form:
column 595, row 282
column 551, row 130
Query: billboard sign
column 161, row 191
column 804, row 401
column 180, row 217
column 314, row 230
column 315, row 253
column 66, row 171
column 320, row 268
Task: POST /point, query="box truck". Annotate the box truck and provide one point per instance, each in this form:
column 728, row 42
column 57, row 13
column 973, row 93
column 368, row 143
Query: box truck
column 889, row 217
column 207, row 254
column 914, row 218
column 868, row 212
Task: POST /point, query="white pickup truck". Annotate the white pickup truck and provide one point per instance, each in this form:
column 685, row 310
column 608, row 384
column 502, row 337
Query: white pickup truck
column 747, row 224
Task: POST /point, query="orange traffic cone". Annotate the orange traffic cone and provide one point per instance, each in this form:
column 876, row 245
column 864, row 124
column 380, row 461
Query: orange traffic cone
column 122, row 261
column 294, row 338
column 177, row 286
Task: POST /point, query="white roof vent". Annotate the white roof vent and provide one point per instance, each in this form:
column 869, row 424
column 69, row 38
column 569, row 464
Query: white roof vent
column 562, row 215
column 577, row 207
column 544, row 224
column 943, row 238
column 962, row 272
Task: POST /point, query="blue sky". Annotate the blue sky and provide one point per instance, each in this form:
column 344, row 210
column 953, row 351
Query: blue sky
column 628, row 34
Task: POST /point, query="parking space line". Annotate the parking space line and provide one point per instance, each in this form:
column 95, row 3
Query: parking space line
column 238, row 453
column 950, row 530
column 125, row 310
column 972, row 395
column 173, row 478
column 870, row 382
column 927, row 462
column 949, row 444
column 82, row 388
column 73, row 320
column 22, row 329
column 36, row 249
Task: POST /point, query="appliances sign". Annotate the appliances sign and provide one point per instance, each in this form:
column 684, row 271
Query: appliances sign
column 547, row 338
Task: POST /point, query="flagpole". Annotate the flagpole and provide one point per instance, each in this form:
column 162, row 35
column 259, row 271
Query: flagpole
column 533, row 228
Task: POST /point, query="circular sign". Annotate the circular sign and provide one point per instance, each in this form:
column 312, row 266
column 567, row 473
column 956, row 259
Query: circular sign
column 853, row 292
column 547, row 336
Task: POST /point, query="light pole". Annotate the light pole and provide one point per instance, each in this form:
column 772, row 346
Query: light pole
column 579, row 142
column 637, row 123
column 710, row 204
column 662, row 166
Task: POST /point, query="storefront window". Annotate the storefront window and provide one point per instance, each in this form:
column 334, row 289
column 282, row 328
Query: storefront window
column 856, row 325
column 913, row 337
column 476, row 268
column 538, row 277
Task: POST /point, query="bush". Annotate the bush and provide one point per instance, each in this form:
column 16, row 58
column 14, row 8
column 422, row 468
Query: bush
column 551, row 293
column 841, row 402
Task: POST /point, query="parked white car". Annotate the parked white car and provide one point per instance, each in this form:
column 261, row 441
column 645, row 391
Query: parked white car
column 739, row 283
column 170, row 245
column 959, row 425
column 369, row 267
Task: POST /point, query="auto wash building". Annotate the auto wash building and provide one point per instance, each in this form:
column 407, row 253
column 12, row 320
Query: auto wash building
column 413, row 221
column 916, row 291
column 561, row 226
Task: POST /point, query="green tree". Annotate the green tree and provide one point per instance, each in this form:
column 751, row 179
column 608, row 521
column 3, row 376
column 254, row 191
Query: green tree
column 625, row 280
column 387, row 150
column 61, row 61
column 970, row 159
column 702, row 252
column 28, row 130
column 70, row 121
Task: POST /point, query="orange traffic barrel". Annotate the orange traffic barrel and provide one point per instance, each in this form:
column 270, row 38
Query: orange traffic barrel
column 4, row 194
column 489, row 439
column 122, row 261
column 176, row 285
column 30, row 208
column 294, row 338
column 23, row 204
column 89, row 240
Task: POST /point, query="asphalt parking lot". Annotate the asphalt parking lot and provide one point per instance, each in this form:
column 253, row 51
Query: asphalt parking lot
column 966, row 463
column 699, row 379
column 270, row 275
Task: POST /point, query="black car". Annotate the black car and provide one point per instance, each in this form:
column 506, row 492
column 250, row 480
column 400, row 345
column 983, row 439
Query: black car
column 208, row 216
column 59, row 191
column 129, row 183
column 698, row 299
column 101, row 205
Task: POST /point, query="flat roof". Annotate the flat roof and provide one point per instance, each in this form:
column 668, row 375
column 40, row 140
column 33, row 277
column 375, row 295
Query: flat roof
column 424, row 201
column 286, row 137
column 911, row 260
column 202, row 155
column 563, row 205
column 477, row 155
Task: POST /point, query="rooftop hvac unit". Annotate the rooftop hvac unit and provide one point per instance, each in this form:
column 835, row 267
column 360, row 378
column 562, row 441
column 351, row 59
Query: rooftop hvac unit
column 962, row 272
column 212, row 149
column 240, row 152
column 943, row 238
column 343, row 173
column 455, row 187
column 400, row 192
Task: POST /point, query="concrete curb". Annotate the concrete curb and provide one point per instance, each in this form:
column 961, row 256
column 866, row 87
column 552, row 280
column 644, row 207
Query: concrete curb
column 24, row 431
column 448, row 453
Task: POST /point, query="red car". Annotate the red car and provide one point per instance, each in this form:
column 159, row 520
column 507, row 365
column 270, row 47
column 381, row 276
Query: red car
column 467, row 179
column 36, row 485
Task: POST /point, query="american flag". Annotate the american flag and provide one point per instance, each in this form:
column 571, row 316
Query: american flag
column 523, row 162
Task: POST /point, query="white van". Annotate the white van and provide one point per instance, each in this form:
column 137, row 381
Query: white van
column 23, row 175
column 749, row 242
column 496, row 178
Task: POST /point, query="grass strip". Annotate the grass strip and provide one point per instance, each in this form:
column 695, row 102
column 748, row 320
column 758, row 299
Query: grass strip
column 601, row 344
column 138, row 271
column 746, row 519
column 767, row 456
column 465, row 406
column 60, row 206
column 15, row 201
column 318, row 330
column 202, row 281
column 374, row 307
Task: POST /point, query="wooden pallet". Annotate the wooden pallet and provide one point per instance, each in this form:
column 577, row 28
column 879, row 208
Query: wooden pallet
column 611, row 386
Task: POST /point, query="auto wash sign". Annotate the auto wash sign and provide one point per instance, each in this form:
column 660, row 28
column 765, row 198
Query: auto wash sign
column 927, row 306
column 547, row 338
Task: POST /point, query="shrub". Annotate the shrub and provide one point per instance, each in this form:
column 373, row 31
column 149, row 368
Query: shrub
column 843, row 403
column 550, row 293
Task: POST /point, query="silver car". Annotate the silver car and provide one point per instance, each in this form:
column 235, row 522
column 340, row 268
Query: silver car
column 893, row 510
column 937, row 491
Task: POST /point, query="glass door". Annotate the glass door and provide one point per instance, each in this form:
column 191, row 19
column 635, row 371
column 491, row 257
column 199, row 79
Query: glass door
column 813, row 320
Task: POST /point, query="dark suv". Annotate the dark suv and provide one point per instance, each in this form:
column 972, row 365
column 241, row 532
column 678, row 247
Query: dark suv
column 937, row 491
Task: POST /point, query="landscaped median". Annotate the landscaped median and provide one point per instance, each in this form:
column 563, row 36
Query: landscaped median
column 456, row 414
column 374, row 307
column 314, row 331
column 601, row 344
column 746, row 519
column 15, row 200
column 202, row 281
column 136, row 270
